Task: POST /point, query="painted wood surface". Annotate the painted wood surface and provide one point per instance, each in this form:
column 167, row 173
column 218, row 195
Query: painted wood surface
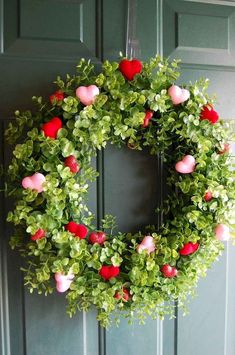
column 202, row 34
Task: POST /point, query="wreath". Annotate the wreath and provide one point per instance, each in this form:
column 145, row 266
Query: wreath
column 138, row 105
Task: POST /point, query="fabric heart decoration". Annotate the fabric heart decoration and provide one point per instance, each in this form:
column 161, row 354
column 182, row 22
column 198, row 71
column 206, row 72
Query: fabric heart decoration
column 208, row 196
column 63, row 282
column 178, row 95
column 146, row 244
column 147, row 118
column 189, row 248
column 109, row 271
column 186, row 165
column 97, row 237
column 38, row 235
column 51, row 128
column 226, row 149
column 129, row 68
column 208, row 113
column 222, row 232
column 87, row 94
column 79, row 230
column 169, row 271
column 72, row 164
column 124, row 295
column 34, row 182
column 58, row 96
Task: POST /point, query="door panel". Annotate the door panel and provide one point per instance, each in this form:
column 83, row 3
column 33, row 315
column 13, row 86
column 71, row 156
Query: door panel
column 50, row 29
column 200, row 34
column 51, row 332
column 131, row 184
column 208, row 325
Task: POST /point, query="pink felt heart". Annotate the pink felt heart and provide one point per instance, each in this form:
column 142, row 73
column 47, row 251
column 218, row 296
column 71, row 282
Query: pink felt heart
column 34, row 182
column 186, row 165
column 146, row 244
column 178, row 95
column 63, row 282
column 87, row 94
column 222, row 232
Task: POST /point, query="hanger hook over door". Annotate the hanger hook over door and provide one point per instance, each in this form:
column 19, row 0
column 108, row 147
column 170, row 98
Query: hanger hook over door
column 132, row 42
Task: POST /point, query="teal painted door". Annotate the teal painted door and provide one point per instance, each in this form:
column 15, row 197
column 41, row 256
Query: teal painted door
column 40, row 39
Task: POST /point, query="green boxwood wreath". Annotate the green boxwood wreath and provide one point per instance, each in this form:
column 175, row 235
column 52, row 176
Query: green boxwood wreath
column 55, row 231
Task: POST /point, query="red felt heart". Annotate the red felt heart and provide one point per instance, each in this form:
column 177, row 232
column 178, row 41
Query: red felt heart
column 97, row 237
column 208, row 113
column 147, row 118
column 169, row 271
column 79, row 230
column 226, row 149
column 38, row 235
column 51, row 128
column 57, row 97
column 124, row 295
column 189, row 248
column 109, row 271
column 72, row 163
column 129, row 68
column 208, row 196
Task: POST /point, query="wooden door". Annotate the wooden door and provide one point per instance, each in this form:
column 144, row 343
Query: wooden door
column 43, row 38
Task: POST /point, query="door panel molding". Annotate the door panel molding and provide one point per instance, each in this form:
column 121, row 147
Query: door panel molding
column 4, row 305
column 22, row 37
column 28, row 322
column 199, row 33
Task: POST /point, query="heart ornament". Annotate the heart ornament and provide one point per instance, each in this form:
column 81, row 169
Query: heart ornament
column 146, row 244
column 38, row 235
column 72, row 164
column 129, row 68
column 51, row 128
column 169, row 271
column 178, row 95
column 77, row 229
column 189, row 248
column 186, row 165
column 63, row 282
column 109, row 271
column 124, row 295
column 227, row 148
column 34, row 182
column 208, row 113
column 147, row 118
column 222, row 232
column 87, row 94
column 97, row 237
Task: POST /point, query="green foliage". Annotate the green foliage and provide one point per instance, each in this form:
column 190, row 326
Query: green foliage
column 117, row 117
